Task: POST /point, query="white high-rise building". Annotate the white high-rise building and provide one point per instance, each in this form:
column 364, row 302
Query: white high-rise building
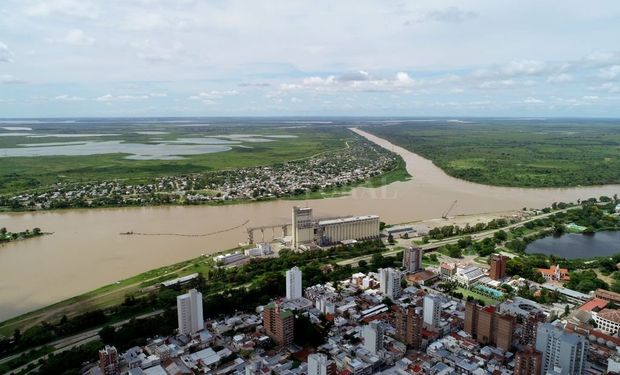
column 389, row 282
column 412, row 259
column 373, row 337
column 189, row 312
column 432, row 310
column 562, row 352
column 319, row 364
column 293, row 283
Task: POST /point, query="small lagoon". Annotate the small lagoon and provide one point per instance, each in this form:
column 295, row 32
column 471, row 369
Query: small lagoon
column 576, row 246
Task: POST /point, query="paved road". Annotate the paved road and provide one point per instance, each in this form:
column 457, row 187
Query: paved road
column 476, row 236
column 74, row 341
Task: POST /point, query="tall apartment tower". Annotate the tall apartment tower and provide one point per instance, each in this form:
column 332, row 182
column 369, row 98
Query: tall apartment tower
column 412, row 259
column 279, row 324
column 530, row 325
column 488, row 326
column 303, row 227
column 293, row 283
column 189, row 312
column 109, row 361
column 562, row 352
column 471, row 318
column 320, row 364
column 373, row 337
column 389, row 282
column 504, row 329
column 498, row 267
column 409, row 324
column 528, row 362
column 432, row 310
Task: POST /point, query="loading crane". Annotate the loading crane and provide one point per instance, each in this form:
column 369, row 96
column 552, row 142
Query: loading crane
column 445, row 214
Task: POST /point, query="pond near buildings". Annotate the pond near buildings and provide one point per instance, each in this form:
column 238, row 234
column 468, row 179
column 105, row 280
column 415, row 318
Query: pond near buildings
column 575, row 246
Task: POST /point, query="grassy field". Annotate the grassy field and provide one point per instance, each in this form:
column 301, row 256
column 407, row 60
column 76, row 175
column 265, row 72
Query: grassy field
column 486, row 299
column 26, row 173
column 533, row 153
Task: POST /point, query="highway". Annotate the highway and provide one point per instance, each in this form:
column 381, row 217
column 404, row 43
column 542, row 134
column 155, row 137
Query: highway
column 71, row 342
column 452, row 240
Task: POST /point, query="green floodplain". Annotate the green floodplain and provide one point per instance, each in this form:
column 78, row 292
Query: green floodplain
column 18, row 174
column 515, row 152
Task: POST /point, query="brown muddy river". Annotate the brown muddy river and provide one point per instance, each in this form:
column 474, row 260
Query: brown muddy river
column 87, row 251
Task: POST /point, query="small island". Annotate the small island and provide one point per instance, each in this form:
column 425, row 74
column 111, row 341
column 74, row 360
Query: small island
column 6, row 236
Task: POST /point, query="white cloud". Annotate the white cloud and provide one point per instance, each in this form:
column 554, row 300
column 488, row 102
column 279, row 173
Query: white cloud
column 75, row 37
column 611, row 72
column 609, row 87
column 10, row 79
column 504, row 83
column 73, row 8
column 532, row 100
column 560, row 78
column 68, row 98
column 120, row 98
column 448, row 15
column 210, row 97
column 358, row 81
column 5, row 53
column 152, row 51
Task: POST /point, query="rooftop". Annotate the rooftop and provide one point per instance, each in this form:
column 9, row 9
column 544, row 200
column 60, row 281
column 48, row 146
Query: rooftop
column 596, row 303
column 612, row 315
column 347, row 219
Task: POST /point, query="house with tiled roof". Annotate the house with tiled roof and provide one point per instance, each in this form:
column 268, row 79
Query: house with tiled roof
column 554, row 273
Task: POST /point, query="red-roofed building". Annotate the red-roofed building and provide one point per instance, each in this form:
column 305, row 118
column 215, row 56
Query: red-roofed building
column 595, row 304
column 554, row 273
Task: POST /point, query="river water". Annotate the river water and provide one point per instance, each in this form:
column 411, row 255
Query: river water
column 86, row 250
column 576, row 246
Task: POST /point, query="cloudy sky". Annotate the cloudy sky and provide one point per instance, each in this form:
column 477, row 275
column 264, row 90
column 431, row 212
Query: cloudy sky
column 289, row 57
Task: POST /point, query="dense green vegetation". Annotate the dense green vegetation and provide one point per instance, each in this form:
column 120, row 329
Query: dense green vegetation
column 6, row 236
column 532, row 153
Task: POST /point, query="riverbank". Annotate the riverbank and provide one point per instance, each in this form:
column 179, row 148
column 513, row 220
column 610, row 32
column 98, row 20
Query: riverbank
column 65, row 262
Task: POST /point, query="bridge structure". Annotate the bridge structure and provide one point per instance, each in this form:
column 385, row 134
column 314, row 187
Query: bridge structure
column 282, row 227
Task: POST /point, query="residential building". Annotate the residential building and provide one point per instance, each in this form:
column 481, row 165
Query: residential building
column 488, row 326
column 412, row 259
column 498, row 267
column 528, row 362
column 389, row 282
column 293, row 283
column 447, row 271
column 109, row 360
column 554, row 273
column 504, row 328
column 189, row 312
column 432, row 310
column 530, row 327
column 373, row 337
column 320, row 364
column 279, row 324
column 471, row 318
column 408, row 323
column 562, row 352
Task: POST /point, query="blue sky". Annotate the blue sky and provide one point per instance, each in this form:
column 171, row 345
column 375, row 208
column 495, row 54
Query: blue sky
column 359, row 57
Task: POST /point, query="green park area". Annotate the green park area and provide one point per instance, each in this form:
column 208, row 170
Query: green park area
column 524, row 153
